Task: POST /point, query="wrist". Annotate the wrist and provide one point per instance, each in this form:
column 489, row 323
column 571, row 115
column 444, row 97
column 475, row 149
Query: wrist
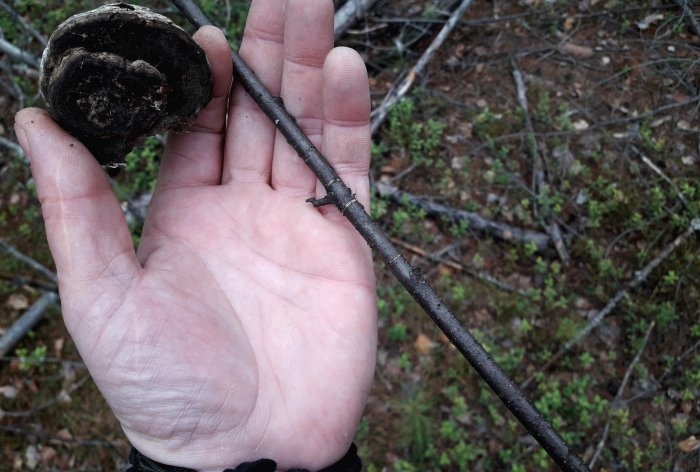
column 350, row 462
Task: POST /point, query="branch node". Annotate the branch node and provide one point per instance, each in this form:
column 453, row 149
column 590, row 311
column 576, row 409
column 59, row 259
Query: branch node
column 323, row 201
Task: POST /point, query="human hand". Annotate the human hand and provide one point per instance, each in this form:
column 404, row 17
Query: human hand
column 244, row 326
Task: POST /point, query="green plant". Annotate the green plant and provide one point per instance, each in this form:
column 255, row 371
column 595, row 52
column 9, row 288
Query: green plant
column 418, row 141
column 29, row 360
column 415, row 425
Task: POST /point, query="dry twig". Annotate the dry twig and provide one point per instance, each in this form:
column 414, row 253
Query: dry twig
column 688, row 13
column 13, row 146
column 661, row 174
column 398, row 92
column 16, row 53
column 538, row 174
column 659, row 383
column 618, row 395
column 37, row 266
column 26, row 322
column 481, row 276
column 348, row 14
column 475, row 221
column 637, row 280
column 18, row 18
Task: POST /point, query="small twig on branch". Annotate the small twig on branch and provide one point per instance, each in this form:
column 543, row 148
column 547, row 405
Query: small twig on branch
column 538, row 174
column 636, row 281
column 37, row 266
column 16, row 53
column 411, row 278
column 397, row 93
column 688, row 13
column 348, row 14
column 26, row 322
column 475, row 222
column 618, row 396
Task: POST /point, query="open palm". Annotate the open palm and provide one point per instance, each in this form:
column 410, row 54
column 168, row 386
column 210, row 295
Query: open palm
column 244, row 326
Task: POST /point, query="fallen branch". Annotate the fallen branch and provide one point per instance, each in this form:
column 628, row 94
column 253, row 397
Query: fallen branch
column 342, row 197
column 14, row 147
column 348, row 14
column 618, row 396
column 26, row 322
column 538, row 175
column 688, row 13
column 37, row 266
column 397, row 93
column 661, row 174
column 481, row 276
column 659, row 383
column 637, row 280
column 18, row 18
column 16, row 53
column 475, row 222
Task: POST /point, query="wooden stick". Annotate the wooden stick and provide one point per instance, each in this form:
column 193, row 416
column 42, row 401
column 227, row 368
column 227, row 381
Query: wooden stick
column 26, row 322
column 37, row 266
column 637, row 280
column 397, row 93
column 16, row 53
column 618, row 396
column 538, row 175
column 350, row 12
column 688, row 13
column 476, row 222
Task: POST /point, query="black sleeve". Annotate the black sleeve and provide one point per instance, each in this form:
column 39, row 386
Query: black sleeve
column 350, row 462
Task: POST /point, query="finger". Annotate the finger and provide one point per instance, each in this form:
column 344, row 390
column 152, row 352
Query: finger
column 194, row 157
column 250, row 136
column 346, row 129
column 85, row 226
column 308, row 37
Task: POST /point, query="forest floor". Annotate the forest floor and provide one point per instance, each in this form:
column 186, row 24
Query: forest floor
column 543, row 171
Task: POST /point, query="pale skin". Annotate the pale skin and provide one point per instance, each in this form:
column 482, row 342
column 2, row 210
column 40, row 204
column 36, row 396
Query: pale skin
column 244, row 325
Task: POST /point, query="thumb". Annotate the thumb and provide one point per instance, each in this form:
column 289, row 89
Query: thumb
column 85, row 226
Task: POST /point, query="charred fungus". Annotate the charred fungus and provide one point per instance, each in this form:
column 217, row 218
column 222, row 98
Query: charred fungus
column 120, row 72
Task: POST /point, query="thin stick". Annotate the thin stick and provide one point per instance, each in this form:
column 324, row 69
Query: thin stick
column 661, row 174
column 637, row 280
column 481, row 276
column 409, row 277
column 618, row 395
column 37, row 266
column 475, row 222
column 14, row 147
column 659, row 383
column 39, row 37
column 346, row 15
column 399, row 92
column 538, row 178
column 16, row 53
column 26, row 322
column 688, row 13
